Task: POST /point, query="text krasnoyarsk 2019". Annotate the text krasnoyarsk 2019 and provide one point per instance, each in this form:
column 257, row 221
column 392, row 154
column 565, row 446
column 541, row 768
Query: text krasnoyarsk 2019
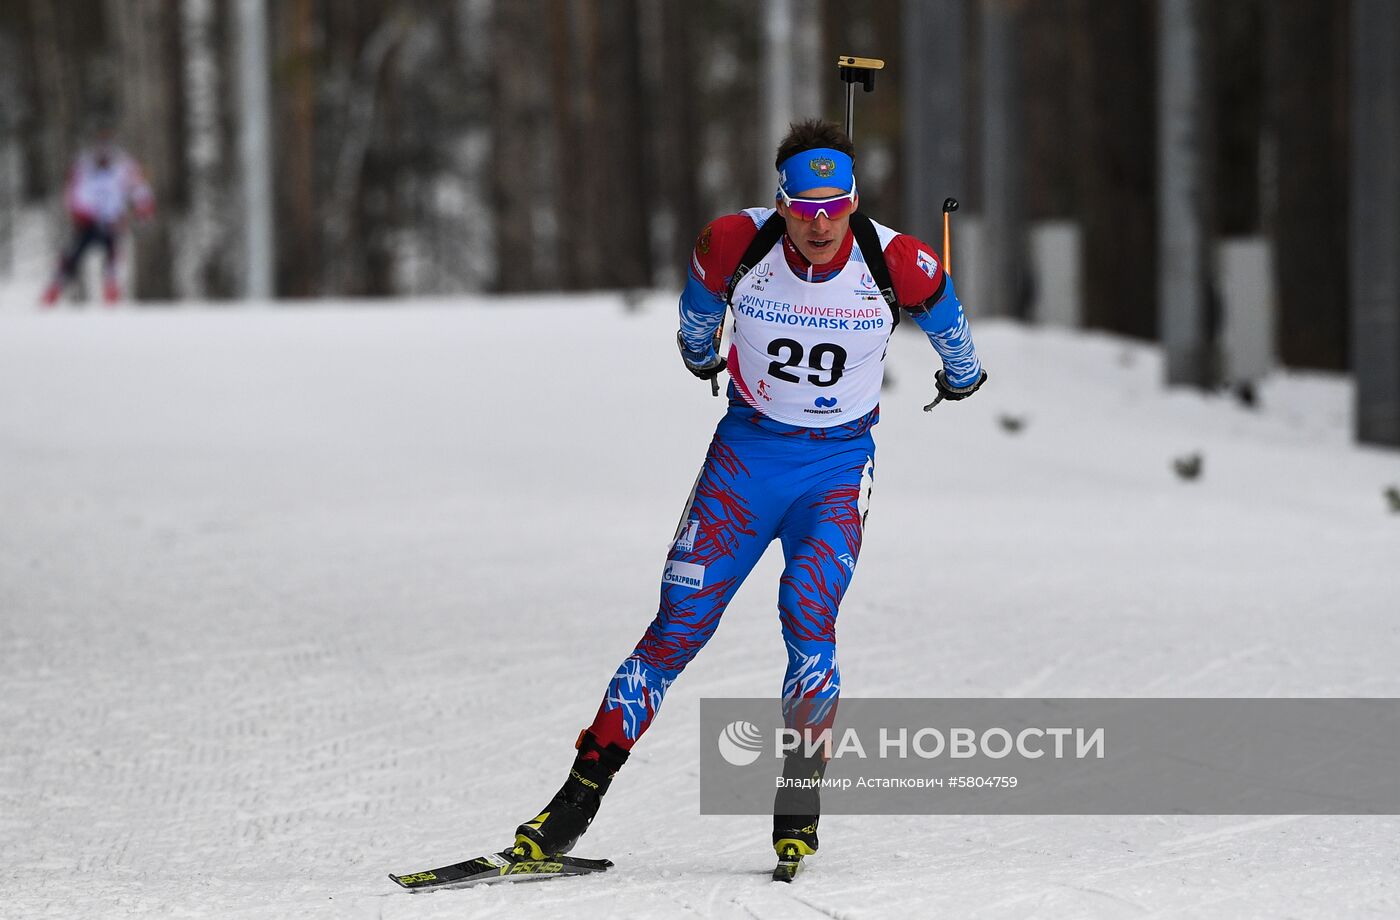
column 930, row 743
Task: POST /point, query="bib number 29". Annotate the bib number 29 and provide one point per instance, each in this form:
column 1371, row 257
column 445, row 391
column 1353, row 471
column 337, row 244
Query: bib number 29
column 828, row 361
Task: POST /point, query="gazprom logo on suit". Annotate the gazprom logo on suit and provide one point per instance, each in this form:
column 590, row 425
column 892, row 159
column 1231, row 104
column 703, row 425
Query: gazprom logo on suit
column 685, row 574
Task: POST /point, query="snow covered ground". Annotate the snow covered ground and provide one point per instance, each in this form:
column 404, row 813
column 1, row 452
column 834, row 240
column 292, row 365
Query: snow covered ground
column 292, row 598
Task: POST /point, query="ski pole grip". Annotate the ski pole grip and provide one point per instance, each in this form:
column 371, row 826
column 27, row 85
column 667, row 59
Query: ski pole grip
column 949, row 206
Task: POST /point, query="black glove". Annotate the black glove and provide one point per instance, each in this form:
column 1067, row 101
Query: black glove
column 706, row 367
column 956, row 393
column 953, row 393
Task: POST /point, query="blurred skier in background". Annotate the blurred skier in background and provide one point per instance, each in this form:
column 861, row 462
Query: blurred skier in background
column 816, row 289
column 105, row 184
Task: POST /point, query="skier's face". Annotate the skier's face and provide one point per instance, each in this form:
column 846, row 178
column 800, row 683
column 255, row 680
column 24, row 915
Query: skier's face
column 820, row 238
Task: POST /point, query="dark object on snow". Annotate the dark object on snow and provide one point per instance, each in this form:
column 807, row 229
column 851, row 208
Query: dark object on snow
column 1188, row 466
column 1012, row 424
column 1392, row 495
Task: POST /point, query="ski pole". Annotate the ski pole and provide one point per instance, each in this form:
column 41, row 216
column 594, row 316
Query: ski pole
column 949, row 206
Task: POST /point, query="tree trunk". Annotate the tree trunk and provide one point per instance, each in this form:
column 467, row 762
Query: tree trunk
column 59, row 92
column 677, row 155
column 775, row 79
column 1050, row 153
column 934, row 153
column 148, row 58
column 1114, row 84
column 1236, row 56
column 1002, row 287
column 294, row 53
column 727, row 36
column 205, row 274
column 385, row 173
column 1184, row 235
column 255, row 151
column 1375, row 221
column 1307, row 48
column 622, row 221
column 10, row 107
column 581, row 170
column 514, row 111
column 225, row 272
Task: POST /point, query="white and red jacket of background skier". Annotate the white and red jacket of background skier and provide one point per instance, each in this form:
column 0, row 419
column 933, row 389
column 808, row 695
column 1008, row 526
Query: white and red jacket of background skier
column 102, row 188
column 927, row 296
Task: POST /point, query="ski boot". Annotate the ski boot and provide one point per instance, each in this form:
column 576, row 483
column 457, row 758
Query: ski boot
column 792, row 844
column 558, row 827
column 796, row 812
column 795, row 832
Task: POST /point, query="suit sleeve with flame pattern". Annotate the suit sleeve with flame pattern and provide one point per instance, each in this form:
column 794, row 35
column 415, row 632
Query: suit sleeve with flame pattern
column 926, row 290
column 717, row 252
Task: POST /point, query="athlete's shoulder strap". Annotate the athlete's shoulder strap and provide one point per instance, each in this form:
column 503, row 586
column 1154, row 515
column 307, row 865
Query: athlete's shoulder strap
column 768, row 234
column 866, row 238
column 869, row 242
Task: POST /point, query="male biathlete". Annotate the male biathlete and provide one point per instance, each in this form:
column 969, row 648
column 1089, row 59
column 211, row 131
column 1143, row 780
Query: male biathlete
column 792, row 459
column 105, row 184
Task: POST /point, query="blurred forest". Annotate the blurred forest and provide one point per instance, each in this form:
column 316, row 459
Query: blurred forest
column 512, row 145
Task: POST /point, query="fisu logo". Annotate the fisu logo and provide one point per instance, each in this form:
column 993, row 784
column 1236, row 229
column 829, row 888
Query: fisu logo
column 762, row 274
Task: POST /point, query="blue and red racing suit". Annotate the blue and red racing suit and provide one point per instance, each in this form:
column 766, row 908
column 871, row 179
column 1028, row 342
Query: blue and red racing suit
column 792, row 459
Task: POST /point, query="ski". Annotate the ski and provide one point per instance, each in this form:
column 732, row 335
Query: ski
column 505, row 866
column 789, row 861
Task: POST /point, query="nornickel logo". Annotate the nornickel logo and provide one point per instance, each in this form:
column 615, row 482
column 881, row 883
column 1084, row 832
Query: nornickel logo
column 824, row 402
column 741, row 743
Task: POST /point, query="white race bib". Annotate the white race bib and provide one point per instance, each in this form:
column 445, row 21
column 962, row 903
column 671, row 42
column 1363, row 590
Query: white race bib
column 809, row 353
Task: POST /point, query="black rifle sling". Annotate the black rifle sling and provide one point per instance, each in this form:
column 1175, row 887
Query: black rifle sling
column 869, row 242
column 768, row 234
